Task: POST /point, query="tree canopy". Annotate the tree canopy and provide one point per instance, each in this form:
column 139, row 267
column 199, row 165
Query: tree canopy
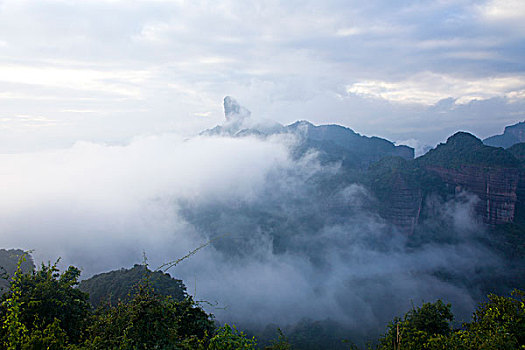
column 44, row 309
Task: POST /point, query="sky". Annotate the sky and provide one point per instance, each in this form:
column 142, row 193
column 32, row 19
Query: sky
column 106, row 70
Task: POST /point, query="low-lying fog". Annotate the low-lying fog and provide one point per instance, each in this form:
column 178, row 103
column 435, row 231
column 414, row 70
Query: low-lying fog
column 285, row 252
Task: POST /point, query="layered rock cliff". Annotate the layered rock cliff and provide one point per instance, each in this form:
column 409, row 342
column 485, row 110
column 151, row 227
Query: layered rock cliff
column 492, row 174
column 396, row 183
column 404, row 206
column 495, row 187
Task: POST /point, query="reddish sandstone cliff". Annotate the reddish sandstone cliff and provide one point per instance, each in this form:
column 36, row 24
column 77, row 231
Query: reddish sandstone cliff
column 495, row 187
column 404, row 205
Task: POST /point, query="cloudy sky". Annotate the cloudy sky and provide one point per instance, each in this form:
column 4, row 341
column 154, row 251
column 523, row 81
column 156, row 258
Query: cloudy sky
column 109, row 70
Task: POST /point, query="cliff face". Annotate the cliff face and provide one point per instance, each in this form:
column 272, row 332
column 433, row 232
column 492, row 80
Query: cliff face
column 495, row 187
column 519, row 214
column 396, row 183
column 404, row 205
column 491, row 173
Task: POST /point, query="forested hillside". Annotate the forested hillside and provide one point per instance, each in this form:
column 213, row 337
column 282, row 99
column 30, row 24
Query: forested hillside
column 44, row 309
column 118, row 286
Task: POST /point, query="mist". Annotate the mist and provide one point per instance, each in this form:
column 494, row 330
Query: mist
column 292, row 238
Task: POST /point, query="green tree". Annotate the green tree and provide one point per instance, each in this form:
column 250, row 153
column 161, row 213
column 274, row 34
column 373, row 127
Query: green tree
column 497, row 324
column 119, row 285
column 416, row 329
column 42, row 310
column 229, row 338
column 149, row 321
column 280, row 344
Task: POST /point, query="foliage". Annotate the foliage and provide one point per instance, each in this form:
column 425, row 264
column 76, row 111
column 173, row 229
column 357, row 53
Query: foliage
column 498, row 324
column 119, row 285
column 42, row 310
column 465, row 149
column 14, row 331
column 229, row 338
column 310, row 334
column 280, row 344
column 418, row 327
column 45, row 310
column 148, row 321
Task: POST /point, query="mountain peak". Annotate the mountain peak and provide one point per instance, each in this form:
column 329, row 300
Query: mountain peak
column 462, row 138
column 233, row 110
column 462, row 149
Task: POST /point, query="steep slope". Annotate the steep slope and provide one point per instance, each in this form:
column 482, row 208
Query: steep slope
column 355, row 149
column 395, row 183
column 513, row 134
column 465, row 164
column 518, row 151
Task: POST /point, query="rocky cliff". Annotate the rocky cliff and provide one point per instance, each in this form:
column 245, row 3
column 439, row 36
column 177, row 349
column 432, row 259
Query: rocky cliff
column 492, row 174
column 396, row 183
column 400, row 183
column 495, row 187
column 404, row 206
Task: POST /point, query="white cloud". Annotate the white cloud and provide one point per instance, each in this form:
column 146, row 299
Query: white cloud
column 509, row 15
column 428, row 88
column 501, row 10
column 26, row 121
column 516, row 95
column 100, row 185
column 349, row 31
column 124, row 83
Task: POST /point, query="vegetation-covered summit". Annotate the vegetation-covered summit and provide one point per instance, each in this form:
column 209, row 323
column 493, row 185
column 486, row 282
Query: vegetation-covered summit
column 118, row 285
column 465, row 149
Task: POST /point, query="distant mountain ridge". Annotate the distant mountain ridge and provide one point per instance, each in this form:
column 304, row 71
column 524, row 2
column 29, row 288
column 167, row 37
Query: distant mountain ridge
column 402, row 183
column 332, row 141
column 512, row 135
